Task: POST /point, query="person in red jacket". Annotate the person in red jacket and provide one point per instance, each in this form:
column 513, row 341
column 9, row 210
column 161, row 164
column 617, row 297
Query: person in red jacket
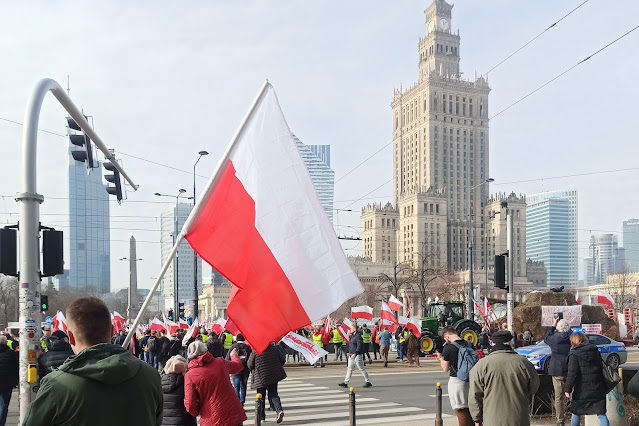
column 207, row 388
column 375, row 341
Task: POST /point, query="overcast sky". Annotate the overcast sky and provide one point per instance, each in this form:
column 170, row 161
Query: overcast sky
column 165, row 80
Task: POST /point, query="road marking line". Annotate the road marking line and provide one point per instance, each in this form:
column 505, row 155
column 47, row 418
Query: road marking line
column 344, row 414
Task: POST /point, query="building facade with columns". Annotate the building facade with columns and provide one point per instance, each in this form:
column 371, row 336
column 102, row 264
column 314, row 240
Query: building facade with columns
column 213, row 302
column 496, row 241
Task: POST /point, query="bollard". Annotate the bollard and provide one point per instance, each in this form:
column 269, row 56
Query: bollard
column 258, row 409
column 351, row 405
column 438, row 405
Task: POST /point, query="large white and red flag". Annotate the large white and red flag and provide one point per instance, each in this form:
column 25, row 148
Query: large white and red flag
column 605, row 298
column 387, row 314
column 415, row 325
column 183, row 324
column 219, row 326
column 344, row 329
column 118, row 317
column 60, row 322
column 364, row 312
column 191, row 333
column 261, row 225
column 577, row 299
column 394, row 303
column 156, row 325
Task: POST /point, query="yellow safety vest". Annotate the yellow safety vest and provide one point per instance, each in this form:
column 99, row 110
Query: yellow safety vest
column 337, row 338
column 317, row 339
column 228, row 340
column 366, row 337
column 402, row 337
column 204, row 338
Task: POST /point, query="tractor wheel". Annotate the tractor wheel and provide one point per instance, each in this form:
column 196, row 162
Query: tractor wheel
column 469, row 330
column 427, row 343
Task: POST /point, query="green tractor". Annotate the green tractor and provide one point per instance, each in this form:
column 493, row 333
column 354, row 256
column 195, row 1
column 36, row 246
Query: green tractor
column 441, row 314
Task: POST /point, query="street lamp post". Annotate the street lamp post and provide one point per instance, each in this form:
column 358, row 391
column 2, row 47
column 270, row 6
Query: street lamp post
column 471, row 310
column 176, row 264
column 195, row 256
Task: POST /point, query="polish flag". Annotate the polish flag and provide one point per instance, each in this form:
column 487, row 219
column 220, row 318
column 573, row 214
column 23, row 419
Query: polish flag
column 410, row 306
column 479, row 308
column 387, row 314
column 394, row 303
column 344, row 329
column 156, row 325
column 364, row 312
column 577, row 299
column 605, row 298
column 260, row 224
column 183, row 324
column 415, row 325
column 486, row 306
column 118, row 317
column 117, row 325
column 402, row 320
column 191, row 333
column 219, row 326
column 60, row 322
column 392, row 327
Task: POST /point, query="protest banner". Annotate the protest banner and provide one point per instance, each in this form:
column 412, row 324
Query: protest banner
column 572, row 314
column 310, row 350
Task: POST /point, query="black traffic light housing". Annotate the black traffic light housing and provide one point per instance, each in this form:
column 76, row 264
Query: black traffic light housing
column 82, row 140
column 44, row 302
column 181, row 310
column 52, row 252
column 115, row 180
column 8, row 252
column 500, row 271
column 170, row 314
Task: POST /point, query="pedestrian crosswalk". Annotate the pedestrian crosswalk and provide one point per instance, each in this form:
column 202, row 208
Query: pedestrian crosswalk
column 305, row 404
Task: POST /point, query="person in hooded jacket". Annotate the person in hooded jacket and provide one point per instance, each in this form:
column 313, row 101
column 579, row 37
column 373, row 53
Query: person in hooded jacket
column 268, row 371
column 558, row 339
column 584, row 381
column 59, row 351
column 174, row 413
column 240, row 380
column 86, row 388
column 207, row 389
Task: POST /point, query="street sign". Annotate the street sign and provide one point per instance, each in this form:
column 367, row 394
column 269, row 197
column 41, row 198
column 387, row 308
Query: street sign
column 48, row 320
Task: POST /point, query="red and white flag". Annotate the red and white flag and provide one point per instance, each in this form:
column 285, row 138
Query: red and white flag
column 387, row 314
column 118, row 317
column 410, row 306
column 364, row 312
column 261, row 225
column 394, row 303
column 191, row 333
column 402, row 320
column 219, row 326
column 577, row 299
column 117, row 325
column 605, row 298
column 344, row 329
column 183, row 324
column 60, row 322
column 479, row 308
column 415, row 325
column 156, row 325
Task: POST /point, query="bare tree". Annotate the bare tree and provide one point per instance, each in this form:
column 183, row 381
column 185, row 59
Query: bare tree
column 8, row 299
column 623, row 288
column 427, row 270
column 396, row 280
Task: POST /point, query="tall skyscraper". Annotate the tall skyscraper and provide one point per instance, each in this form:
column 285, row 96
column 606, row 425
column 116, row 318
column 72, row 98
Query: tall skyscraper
column 548, row 237
column 571, row 196
column 317, row 159
column 631, row 243
column 89, row 228
column 440, row 152
column 605, row 258
column 183, row 262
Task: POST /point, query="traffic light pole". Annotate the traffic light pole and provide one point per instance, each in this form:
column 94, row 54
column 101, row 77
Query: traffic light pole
column 29, row 228
column 511, row 273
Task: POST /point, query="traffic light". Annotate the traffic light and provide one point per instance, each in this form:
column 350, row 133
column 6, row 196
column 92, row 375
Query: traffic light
column 52, row 252
column 170, row 315
column 181, row 310
column 44, row 301
column 81, row 139
column 115, row 180
column 500, row 271
column 8, row 252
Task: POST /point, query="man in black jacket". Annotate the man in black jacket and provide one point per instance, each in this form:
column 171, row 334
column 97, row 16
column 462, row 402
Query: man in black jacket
column 558, row 339
column 8, row 376
column 356, row 357
column 59, row 351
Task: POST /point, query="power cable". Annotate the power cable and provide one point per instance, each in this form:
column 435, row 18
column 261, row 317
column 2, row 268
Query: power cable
column 563, row 73
column 535, row 38
column 385, row 183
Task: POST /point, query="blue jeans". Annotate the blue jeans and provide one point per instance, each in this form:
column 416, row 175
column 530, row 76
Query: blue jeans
column 5, row 398
column 147, row 357
column 153, row 359
column 400, row 351
column 574, row 421
column 240, row 381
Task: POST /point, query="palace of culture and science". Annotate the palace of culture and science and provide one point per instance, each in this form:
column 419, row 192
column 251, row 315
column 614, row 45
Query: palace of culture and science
column 440, row 162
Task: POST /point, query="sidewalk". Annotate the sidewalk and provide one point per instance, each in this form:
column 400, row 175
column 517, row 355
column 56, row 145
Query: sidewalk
column 13, row 417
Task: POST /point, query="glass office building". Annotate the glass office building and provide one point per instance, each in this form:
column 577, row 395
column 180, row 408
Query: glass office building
column 631, row 243
column 571, row 196
column 89, row 229
column 548, row 237
column 317, row 159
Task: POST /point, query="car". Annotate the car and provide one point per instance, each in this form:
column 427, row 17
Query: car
column 612, row 352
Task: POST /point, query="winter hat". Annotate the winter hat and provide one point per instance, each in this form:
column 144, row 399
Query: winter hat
column 501, row 337
column 59, row 334
column 175, row 365
column 196, row 349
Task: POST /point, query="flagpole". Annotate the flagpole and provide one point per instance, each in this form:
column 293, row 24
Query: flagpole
column 196, row 209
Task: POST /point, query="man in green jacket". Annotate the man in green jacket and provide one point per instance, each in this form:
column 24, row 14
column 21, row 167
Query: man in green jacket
column 502, row 385
column 103, row 384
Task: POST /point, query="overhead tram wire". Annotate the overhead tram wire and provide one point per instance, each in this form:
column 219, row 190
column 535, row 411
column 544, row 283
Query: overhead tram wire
column 563, row 73
column 535, row 38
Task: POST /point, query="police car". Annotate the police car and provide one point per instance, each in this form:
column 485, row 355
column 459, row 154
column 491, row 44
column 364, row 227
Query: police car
column 612, row 352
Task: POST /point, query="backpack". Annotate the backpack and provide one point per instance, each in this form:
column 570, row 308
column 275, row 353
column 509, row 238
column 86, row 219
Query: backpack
column 151, row 344
column 175, row 347
column 466, row 360
column 243, row 353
